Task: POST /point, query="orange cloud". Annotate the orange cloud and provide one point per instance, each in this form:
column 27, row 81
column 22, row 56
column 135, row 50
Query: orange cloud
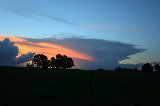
column 12, row 38
column 49, row 49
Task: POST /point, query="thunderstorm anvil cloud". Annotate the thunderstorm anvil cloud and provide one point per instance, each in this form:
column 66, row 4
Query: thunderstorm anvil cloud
column 87, row 53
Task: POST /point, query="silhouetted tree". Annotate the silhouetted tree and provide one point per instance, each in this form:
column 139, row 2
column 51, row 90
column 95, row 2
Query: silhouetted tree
column 44, row 61
column 60, row 62
column 116, row 69
column 40, row 60
column 157, row 67
column 69, row 63
column 119, row 69
column 36, row 60
column 100, row 69
column 63, row 62
column 126, row 69
column 47, row 64
column 147, row 67
column 53, row 62
column 135, row 70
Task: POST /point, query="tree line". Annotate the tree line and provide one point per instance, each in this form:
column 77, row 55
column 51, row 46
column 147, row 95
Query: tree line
column 58, row 62
column 145, row 68
column 65, row 62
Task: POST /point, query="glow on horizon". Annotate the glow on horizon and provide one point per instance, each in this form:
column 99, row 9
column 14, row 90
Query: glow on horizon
column 49, row 49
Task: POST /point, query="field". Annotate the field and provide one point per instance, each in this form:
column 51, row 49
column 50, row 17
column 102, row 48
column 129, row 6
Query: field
column 30, row 87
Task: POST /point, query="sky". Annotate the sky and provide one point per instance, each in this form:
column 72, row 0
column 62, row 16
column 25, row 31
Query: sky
column 96, row 33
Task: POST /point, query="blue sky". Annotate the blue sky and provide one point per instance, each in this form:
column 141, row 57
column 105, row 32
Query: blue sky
column 130, row 21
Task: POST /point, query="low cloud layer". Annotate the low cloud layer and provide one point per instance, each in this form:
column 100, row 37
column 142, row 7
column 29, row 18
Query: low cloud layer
column 9, row 53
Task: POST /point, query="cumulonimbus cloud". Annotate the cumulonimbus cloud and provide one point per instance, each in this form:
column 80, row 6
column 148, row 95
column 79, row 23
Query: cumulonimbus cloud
column 106, row 54
column 9, row 54
column 87, row 53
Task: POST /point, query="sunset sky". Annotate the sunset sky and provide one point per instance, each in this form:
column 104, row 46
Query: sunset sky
column 96, row 33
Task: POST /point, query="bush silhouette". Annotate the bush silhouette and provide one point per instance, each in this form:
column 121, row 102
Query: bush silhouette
column 147, row 67
column 157, row 67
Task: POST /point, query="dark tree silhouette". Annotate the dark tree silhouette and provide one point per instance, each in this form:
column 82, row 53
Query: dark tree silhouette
column 48, row 64
column 60, row 62
column 135, row 70
column 36, row 60
column 147, row 67
column 157, row 67
column 68, row 62
column 126, row 69
column 53, row 62
column 40, row 60
column 44, row 61
column 119, row 69
column 63, row 62
column 101, row 69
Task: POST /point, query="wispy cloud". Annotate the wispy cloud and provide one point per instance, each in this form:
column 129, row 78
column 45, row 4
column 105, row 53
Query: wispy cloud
column 58, row 19
column 108, row 27
column 25, row 11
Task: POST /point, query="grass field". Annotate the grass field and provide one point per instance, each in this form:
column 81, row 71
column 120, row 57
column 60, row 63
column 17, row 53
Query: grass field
column 30, row 87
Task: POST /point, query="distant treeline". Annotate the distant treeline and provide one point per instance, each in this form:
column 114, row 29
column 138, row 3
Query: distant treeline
column 145, row 68
column 65, row 62
column 58, row 62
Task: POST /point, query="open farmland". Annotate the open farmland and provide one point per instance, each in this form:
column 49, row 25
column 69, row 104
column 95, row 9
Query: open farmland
column 23, row 86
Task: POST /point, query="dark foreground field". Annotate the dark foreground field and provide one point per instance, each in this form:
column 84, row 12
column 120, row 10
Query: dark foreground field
column 29, row 87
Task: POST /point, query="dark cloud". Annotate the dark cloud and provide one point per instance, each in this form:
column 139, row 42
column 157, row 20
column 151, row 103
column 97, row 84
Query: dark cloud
column 25, row 57
column 9, row 53
column 106, row 53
